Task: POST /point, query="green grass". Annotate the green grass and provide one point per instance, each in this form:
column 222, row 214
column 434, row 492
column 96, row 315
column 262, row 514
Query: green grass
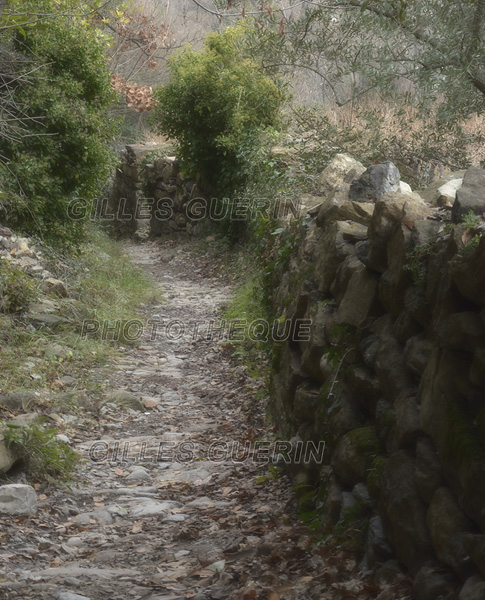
column 103, row 285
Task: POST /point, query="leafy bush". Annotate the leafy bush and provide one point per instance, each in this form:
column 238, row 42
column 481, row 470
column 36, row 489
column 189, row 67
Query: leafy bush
column 216, row 105
column 42, row 452
column 17, row 289
column 61, row 92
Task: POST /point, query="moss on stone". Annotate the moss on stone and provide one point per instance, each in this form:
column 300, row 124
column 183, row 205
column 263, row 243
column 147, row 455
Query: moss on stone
column 464, row 442
column 374, row 478
column 365, row 440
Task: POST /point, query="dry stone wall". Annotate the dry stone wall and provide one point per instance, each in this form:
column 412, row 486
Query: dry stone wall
column 151, row 195
column 393, row 376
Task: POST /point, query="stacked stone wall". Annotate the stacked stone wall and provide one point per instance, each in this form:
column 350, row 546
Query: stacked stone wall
column 393, row 376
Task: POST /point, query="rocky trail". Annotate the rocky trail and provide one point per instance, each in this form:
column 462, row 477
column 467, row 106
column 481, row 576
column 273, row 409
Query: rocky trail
column 159, row 508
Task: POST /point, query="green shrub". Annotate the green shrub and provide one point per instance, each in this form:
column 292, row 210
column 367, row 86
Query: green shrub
column 61, row 96
column 17, row 289
column 216, row 105
column 44, row 455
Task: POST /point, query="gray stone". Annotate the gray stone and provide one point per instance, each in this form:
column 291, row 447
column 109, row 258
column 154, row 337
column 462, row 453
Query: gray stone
column 364, row 385
column 446, row 195
column 379, row 550
column 333, row 501
column 417, row 352
column 431, row 583
column 27, row 419
column 362, row 496
column 474, row 589
column 390, row 571
column 138, row 474
column 49, row 320
column 7, row 456
column 349, row 503
column 307, row 400
column 408, row 426
column 356, row 233
column 18, row 499
column 471, row 195
column 151, row 508
column 55, row 287
column 477, row 370
column 330, row 251
column 429, row 474
column 474, row 545
column 376, row 181
column 341, row 414
column 359, row 298
column 313, row 349
column 174, row 518
column 357, row 212
column 391, row 210
column 17, row 400
column 100, row 516
column 405, row 188
column 446, row 418
column 463, row 331
column 124, row 399
column 442, row 192
column 354, row 453
column 403, row 513
column 446, row 523
column 70, row 596
column 57, row 351
column 385, row 416
column 394, row 377
column 342, row 169
column 468, row 273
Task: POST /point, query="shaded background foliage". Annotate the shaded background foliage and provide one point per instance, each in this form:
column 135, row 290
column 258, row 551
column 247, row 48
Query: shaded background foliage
column 59, row 94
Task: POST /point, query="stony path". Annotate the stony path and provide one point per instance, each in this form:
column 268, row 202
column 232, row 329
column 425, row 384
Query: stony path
column 163, row 522
column 157, row 510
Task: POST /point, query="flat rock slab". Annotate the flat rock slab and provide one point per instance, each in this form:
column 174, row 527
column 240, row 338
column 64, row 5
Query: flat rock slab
column 18, row 499
column 150, row 508
column 70, row 596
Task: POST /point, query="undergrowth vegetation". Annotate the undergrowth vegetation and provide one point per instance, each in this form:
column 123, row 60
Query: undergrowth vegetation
column 105, row 287
column 44, row 456
column 56, row 131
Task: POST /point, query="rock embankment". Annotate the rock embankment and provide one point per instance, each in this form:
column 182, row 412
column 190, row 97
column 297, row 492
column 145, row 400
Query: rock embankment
column 393, row 375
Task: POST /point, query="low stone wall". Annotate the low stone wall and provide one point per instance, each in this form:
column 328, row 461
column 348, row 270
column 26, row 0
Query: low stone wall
column 393, row 377
column 151, row 195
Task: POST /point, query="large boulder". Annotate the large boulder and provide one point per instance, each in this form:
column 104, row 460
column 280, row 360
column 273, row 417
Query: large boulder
column 359, row 298
column 429, row 473
column 474, row 589
column 342, row 169
column 331, row 249
column 313, row 349
column 354, row 454
column 468, row 273
column 376, row 181
column 392, row 210
column 446, row 417
column 447, row 525
column 394, row 377
column 404, row 513
column 470, row 196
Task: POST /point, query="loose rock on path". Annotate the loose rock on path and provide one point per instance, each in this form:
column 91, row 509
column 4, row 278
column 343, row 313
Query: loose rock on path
column 158, row 510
